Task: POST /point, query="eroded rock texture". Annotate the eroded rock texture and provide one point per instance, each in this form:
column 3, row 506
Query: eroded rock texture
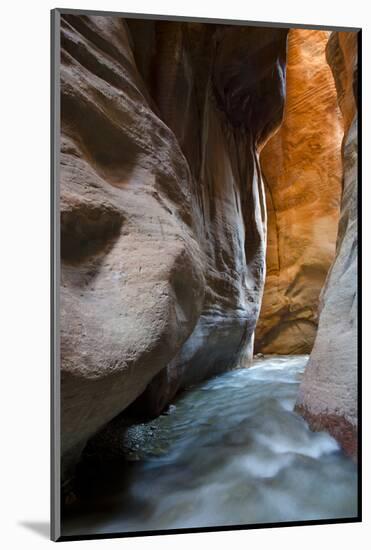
column 328, row 393
column 302, row 169
column 162, row 208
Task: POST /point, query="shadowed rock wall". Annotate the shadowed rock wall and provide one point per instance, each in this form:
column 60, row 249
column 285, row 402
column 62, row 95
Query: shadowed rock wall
column 328, row 393
column 162, row 208
column 302, row 169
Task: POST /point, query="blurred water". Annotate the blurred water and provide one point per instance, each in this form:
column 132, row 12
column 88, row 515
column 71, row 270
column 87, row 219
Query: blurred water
column 231, row 451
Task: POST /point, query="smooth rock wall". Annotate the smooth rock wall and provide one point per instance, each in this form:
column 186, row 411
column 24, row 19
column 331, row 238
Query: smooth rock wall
column 302, row 169
column 328, row 393
column 162, row 208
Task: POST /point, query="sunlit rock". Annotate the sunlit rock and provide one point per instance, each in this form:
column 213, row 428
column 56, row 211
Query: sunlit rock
column 302, row 169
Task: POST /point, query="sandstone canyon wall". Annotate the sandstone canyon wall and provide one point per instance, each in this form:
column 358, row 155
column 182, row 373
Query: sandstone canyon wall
column 302, row 169
column 162, row 208
column 328, row 393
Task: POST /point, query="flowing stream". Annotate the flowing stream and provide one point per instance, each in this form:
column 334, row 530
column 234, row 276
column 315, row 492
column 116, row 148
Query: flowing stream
column 230, row 451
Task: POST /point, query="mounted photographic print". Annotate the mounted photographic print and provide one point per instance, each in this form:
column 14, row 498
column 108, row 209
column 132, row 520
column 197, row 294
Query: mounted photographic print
column 205, row 200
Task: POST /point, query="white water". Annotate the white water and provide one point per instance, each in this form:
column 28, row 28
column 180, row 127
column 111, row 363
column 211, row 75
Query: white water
column 231, row 451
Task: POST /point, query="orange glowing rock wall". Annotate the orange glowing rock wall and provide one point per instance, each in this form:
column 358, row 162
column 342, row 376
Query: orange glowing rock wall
column 302, row 168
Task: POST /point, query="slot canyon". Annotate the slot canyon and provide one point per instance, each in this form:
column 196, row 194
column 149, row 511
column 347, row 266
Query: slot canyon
column 208, row 177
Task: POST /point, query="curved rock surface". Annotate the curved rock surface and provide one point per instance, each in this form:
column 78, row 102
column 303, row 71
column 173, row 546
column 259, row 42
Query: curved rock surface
column 302, row 169
column 328, row 393
column 162, row 208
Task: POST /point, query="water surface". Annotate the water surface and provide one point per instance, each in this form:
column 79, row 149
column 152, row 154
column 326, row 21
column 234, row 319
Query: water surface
column 231, row 451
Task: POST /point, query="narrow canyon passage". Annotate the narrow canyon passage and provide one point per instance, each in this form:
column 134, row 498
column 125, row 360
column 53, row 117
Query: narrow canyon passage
column 208, row 212
column 229, row 451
